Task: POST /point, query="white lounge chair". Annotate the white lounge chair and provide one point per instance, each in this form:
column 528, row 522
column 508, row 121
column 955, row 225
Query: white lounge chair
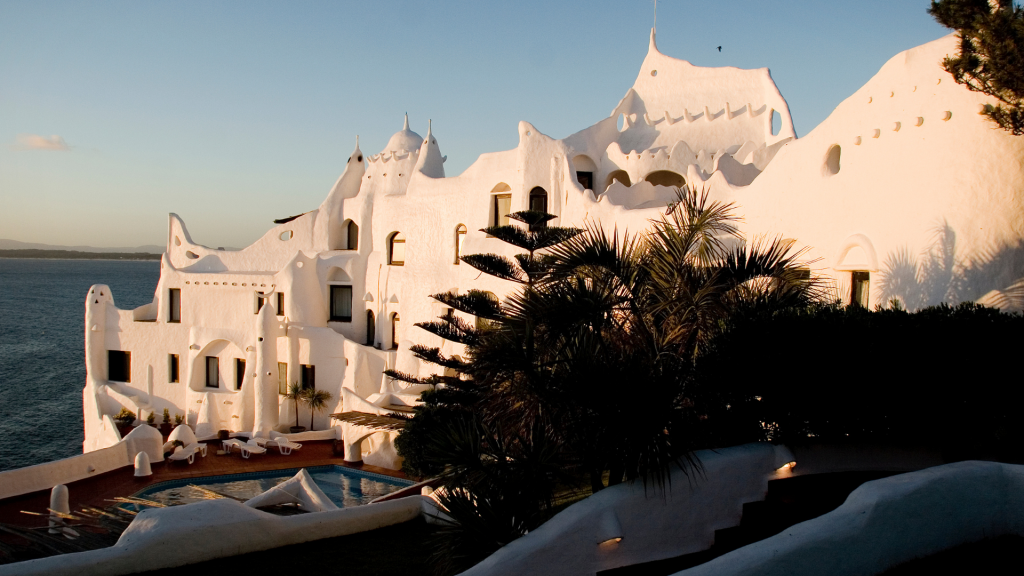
column 248, row 449
column 232, row 443
column 188, row 453
column 284, row 445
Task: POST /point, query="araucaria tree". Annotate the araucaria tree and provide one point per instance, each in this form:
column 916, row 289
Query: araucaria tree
column 581, row 377
column 991, row 57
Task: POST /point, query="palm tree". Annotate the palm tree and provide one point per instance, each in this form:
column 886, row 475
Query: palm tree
column 316, row 400
column 587, row 368
column 640, row 310
column 295, row 393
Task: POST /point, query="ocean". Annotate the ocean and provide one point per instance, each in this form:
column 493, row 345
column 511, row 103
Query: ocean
column 42, row 348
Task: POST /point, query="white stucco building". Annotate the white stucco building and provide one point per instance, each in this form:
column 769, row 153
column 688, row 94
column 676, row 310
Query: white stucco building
column 905, row 191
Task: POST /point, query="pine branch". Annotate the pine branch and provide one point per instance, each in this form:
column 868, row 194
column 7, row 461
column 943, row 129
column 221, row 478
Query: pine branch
column 475, row 302
column 434, row 356
column 510, row 234
column 536, row 267
column 452, row 329
column 532, row 218
column 494, row 265
column 403, row 377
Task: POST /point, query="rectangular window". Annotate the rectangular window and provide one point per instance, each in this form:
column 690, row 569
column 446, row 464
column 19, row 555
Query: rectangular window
column 282, row 377
column 308, row 377
column 260, row 299
column 280, row 303
column 172, row 368
column 341, row 303
column 119, row 366
column 174, row 305
column 212, row 372
column 502, row 208
column 239, row 373
column 586, row 179
column 860, row 281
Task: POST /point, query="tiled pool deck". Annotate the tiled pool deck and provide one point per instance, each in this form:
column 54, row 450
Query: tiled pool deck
column 98, row 491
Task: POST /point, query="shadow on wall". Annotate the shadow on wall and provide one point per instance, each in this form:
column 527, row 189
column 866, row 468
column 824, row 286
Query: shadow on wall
column 939, row 274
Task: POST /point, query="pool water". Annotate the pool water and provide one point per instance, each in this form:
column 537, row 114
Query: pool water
column 344, row 486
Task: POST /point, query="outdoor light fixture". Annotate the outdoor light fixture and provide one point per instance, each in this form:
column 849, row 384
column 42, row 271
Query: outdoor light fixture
column 787, row 466
column 609, row 530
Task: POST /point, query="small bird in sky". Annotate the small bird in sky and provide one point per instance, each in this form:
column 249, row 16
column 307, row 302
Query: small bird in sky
column 719, row 48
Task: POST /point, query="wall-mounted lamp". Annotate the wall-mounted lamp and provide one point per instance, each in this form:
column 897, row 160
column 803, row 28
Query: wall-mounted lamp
column 787, row 466
column 609, row 530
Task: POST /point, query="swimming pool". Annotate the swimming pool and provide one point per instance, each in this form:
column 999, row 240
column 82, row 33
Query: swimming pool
column 344, row 486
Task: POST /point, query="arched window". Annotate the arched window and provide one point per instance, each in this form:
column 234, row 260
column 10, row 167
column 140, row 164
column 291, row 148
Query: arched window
column 619, row 175
column 460, row 237
column 396, row 249
column 395, row 327
column 353, row 236
column 585, row 171
column 371, row 328
column 666, row 178
column 539, row 199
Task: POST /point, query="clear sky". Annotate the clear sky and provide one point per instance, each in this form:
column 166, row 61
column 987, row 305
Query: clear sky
column 231, row 114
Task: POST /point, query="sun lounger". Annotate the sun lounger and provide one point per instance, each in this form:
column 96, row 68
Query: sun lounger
column 284, row 445
column 252, row 447
column 188, row 453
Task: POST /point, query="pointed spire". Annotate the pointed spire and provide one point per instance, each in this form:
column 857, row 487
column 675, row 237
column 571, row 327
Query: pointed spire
column 654, row 44
column 430, row 126
column 406, row 126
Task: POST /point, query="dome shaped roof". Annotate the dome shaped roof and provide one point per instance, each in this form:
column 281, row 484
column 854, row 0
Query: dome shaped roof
column 404, row 139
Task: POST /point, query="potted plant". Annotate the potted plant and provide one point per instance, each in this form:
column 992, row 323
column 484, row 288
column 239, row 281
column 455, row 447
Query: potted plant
column 151, row 419
column 125, row 418
column 316, row 400
column 165, row 426
column 178, row 419
column 294, row 394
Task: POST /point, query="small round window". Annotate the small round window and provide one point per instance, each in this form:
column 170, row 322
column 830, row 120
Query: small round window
column 286, row 235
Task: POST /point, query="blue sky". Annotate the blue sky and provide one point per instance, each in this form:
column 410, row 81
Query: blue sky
column 234, row 113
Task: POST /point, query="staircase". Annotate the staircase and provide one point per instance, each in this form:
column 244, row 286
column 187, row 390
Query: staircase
column 789, row 501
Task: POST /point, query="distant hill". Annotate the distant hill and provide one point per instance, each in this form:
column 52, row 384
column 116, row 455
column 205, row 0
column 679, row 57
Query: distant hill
column 16, row 245
column 77, row 255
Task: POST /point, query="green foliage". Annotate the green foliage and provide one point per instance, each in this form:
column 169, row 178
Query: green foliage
column 178, row 419
column 317, row 400
column 151, row 419
column 936, row 378
column 991, row 55
column 543, row 404
column 295, row 395
column 167, row 416
column 125, row 417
